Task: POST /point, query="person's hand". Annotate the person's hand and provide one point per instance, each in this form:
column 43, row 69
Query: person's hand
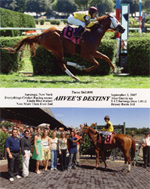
column 37, row 153
column 24, row 156
column 10, row 156
column 30, row 154
column 59, row 152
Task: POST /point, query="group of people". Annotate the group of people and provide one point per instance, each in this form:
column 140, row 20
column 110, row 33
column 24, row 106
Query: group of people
column 45, row 148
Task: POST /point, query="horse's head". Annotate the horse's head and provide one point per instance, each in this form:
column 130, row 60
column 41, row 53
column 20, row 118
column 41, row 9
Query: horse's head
column 115, row 24
column 84, row 129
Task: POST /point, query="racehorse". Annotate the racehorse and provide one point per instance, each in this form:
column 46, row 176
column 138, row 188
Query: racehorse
column 123, row 142
column 52, row 39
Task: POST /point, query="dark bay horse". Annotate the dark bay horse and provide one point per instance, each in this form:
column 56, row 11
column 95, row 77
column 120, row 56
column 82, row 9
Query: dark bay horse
column 123, row 142
column 52, row 39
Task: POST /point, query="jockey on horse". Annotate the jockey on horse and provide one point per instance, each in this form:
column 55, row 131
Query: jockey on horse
column 82, row 19
column 107, row 130
column 109, row 127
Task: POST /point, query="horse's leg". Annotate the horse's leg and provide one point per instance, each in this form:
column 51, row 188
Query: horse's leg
column 97, row 54
column 103, row 158
column 56, row 47
column 97, row 158
column 62, row 64
column 91, row 59
column 77, row 66
column 127, row 159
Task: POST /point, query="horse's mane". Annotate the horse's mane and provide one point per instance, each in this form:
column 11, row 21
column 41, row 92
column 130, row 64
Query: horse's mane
column 93, row 131
column 99, row 19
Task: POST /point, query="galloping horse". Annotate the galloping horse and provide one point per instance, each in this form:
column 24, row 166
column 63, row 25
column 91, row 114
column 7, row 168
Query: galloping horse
column 123, row 142
column 52, row 39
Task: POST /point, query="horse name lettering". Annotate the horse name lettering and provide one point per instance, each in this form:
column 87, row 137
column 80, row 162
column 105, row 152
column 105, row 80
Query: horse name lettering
column 96, row 98
column 63, row 98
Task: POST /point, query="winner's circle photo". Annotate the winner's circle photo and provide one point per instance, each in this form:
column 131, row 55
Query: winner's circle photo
column 62, row 147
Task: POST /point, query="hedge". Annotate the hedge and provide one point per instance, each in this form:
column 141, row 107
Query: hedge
column 3, row 137
column 9, row 62
column 138, row 55
column 15, row 19
column 45, row 63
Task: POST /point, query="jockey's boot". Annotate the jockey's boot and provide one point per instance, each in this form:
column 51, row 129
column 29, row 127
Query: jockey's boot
column 78, row 32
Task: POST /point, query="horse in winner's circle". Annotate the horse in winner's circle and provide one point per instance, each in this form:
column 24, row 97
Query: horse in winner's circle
column 52, row 39
column 122, row 141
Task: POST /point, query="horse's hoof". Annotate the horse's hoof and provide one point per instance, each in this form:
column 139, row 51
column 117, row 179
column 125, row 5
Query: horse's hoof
column 127, row 172
column 95, row 169
column 77, row 79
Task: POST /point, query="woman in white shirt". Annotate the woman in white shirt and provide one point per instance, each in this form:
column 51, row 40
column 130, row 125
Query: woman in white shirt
column 63, row 149
column 54, row 151
column 46, row 144
column 146, row 149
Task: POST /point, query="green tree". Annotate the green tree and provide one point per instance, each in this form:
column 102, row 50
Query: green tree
column 66, row 6
column 147, row 6
column 105, row 6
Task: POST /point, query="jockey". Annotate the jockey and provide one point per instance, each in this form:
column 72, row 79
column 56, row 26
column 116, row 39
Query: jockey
column 82, row 19
column 109, row 127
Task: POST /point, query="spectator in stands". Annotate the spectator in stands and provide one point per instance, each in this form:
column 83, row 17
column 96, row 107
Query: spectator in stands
column 72, row 150
column 26, row 153
column 12, row 146
column 54, row 151
column 146, row 149
column 63, row 150
column 37, row 153
column 46, row 145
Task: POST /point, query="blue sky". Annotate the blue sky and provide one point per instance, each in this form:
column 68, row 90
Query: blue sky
column 133, row 117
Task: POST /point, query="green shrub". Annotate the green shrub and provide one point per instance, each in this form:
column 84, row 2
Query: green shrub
column 65, row 21
column 15, row 19
column 3, row 137
column 55, row 22
column 138, row 55
column 9, row 62
column 42, row 22
column 45, row 63
column 87, row 146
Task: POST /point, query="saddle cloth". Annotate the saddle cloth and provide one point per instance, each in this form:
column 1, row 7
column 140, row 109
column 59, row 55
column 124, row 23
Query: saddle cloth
column 68, row 32
column 107, row 138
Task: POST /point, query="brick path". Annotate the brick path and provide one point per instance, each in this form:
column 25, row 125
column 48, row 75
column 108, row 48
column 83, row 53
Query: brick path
column 83, row 178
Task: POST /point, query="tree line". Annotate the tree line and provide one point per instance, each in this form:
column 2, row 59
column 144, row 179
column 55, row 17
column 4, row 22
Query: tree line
column 137, row 131
column 50, row 7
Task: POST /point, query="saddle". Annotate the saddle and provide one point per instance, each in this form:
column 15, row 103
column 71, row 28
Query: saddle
column 105, row 139
column 68, row 32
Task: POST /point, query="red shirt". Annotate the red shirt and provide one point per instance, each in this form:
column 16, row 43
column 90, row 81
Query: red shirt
column 77, row 136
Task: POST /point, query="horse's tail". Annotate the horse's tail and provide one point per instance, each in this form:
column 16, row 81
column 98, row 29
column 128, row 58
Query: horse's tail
column 31, row 40
column 133, row 148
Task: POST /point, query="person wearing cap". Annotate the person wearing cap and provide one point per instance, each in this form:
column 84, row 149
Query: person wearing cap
column 26, row 153
column 109, row 127
column 107, row 130
column 145, row 142
column 82, row 19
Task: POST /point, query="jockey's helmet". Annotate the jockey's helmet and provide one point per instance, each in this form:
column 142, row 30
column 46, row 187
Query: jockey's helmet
column 92, row 10
column 106, row 117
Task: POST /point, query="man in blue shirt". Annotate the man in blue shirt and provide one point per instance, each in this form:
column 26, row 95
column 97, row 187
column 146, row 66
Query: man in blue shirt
column 12, row 146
